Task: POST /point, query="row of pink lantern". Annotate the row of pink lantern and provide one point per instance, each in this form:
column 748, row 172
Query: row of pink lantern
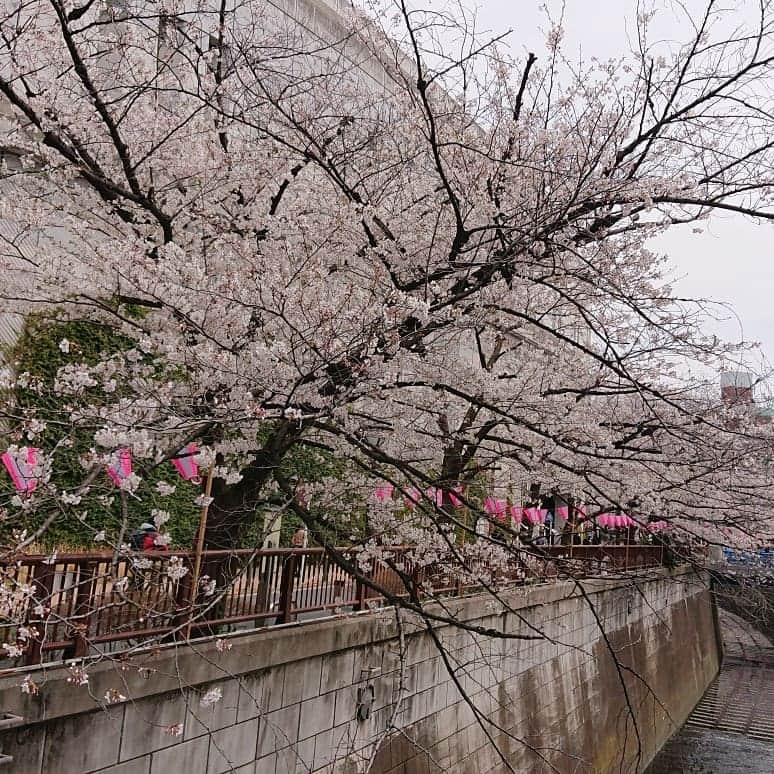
column 413, row 495
column 120, row 467
column 21, row 469
column 500, row 509
column 495, row 507
column 533, row 515
column 615, row 520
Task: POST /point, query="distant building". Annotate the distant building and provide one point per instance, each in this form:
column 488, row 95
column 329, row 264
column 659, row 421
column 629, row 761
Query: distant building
column 736, row 387
column 736, row 390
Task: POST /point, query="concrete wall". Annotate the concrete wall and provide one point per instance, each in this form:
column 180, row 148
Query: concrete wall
column 290, row 694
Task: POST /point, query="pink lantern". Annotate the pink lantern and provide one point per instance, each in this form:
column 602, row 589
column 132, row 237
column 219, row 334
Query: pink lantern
column 21, row 469
column 604, row 520
column 543, row 515
column 120, row 468
column 455, row 501
column 517, row 514
column 495, row 507
column 383, row 492
column 185, row 463
column 562, row 512
column 533, row 515
column 435, row 495
column 412, row 497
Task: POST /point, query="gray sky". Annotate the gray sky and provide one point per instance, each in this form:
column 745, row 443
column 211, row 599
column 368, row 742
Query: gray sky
column 730, row 261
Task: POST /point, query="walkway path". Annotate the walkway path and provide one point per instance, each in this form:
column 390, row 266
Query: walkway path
column 731, row 731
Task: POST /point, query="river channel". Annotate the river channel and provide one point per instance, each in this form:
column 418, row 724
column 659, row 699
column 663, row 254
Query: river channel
column 731, row 731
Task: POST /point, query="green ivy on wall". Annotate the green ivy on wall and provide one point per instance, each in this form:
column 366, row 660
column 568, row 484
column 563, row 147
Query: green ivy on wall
column 38, row 354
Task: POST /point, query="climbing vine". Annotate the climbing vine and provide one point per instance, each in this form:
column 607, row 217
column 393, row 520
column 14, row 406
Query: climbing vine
column 36, row 416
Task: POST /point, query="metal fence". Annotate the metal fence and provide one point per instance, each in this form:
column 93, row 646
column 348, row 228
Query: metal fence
column 77, row 604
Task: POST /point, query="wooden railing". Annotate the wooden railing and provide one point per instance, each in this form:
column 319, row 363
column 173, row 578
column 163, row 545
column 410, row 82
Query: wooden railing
column 77, row 604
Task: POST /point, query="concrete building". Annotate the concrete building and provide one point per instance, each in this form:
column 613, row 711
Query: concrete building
column 737, row 391
column 736, row 387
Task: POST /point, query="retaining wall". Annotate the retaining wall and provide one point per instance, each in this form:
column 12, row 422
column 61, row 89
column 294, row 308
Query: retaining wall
column 290, row 695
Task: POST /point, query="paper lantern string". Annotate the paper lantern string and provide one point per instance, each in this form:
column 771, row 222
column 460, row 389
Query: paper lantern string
column 495, row 507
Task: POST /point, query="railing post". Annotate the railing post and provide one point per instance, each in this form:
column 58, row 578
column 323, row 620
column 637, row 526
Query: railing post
column 44, row 588
column 286, row 589
column 83, row 607
column 183, row 597
column 360, row 594
column 263, row 599
column 416, row 580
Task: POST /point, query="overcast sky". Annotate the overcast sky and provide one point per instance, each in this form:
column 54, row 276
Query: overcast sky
column 731, row 261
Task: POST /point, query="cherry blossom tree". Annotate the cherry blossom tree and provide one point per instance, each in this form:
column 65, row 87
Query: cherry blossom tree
column 432, row 266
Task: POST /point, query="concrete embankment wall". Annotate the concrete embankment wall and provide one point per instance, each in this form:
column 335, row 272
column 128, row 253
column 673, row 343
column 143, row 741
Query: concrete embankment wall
column 290, row 695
